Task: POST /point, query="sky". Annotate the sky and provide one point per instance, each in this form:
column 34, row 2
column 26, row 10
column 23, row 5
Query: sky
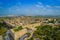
column 29, row 7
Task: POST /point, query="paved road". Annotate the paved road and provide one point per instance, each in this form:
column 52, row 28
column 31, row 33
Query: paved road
column 23, row 37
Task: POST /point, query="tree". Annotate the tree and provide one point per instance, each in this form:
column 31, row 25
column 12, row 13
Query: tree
column 47, row 33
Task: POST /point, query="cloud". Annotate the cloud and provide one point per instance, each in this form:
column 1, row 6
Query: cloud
column 48, row 6
column 57, row 6
column 39, row 3
column 14, row 10
column 36, row 9
column 47, row 9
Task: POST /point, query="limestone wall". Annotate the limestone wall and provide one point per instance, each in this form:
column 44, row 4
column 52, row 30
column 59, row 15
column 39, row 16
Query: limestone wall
column 18, row 34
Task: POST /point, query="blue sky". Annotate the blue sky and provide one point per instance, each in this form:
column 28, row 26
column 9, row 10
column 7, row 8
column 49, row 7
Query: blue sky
column 29, row 7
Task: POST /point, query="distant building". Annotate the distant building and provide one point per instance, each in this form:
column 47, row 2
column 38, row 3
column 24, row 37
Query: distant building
column 9, row 24
column 26, row 23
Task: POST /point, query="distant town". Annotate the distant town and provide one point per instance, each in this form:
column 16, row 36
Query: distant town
column 29, row 28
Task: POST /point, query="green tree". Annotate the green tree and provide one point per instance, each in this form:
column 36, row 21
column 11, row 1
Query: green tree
column 47, row 33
